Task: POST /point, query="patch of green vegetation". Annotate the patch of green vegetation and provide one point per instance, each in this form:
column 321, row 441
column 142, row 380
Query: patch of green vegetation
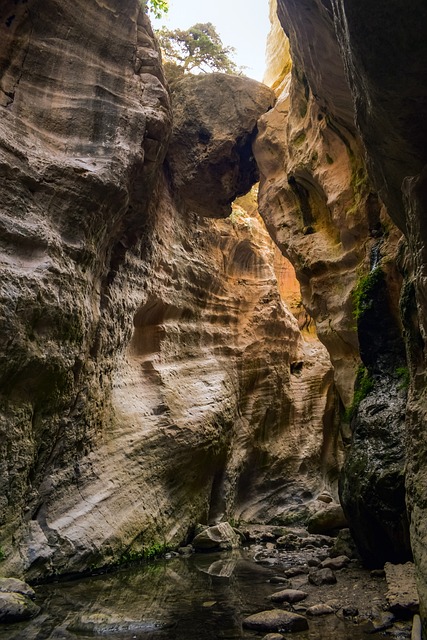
column 363, row 298
column 363, row 385
column 329, row 160
column 145, row 553
column 404, row 378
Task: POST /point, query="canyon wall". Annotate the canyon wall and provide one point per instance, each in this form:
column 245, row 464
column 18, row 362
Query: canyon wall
column 325, row 215
column 342, row 158
column 152, row 376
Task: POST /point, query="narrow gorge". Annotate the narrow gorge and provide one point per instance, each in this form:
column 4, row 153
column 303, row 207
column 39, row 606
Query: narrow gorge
column 213, row 290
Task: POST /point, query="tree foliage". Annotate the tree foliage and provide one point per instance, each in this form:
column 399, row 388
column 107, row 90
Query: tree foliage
column 156, row 7
column 199, row 48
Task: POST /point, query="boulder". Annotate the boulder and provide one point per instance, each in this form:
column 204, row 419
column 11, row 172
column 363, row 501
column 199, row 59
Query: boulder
column 14, row 585
column 402, row 594
column 220, row 536
column 327, row 520
column 276, row 620
column 210, row 154
column 322, row 576
column 15, row 607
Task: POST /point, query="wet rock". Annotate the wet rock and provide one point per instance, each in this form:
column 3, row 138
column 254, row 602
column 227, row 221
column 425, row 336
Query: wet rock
column 220, row 536
column 289, row 595
column 372, row 483
column 186, row 551
column 379, row 621
column 276, row 620
column 335, row 563
column 15, row 607
column 108, row 624
column 320, row 610
column 402, row 594
column 327, row 520
column 17, row 586
column 322, row 576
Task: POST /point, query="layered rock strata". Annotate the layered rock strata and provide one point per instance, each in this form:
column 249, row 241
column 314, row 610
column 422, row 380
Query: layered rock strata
column 151, row 375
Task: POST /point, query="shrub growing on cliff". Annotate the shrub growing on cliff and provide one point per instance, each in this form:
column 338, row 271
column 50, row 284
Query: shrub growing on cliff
column 199, row 48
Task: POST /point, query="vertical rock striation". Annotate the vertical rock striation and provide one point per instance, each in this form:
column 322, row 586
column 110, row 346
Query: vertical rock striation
column 384, row 49
column 325, row 215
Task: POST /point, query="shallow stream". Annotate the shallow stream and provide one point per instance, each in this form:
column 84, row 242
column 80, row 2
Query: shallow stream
column 201, row 597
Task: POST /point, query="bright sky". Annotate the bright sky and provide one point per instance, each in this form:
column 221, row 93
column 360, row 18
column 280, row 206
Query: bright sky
column 242, row 24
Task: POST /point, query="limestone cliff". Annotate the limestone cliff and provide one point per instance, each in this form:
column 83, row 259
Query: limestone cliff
column 151, row 374
column 325, row 215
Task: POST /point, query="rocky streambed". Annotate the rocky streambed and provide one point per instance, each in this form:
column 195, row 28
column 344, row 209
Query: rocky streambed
column 279, row 581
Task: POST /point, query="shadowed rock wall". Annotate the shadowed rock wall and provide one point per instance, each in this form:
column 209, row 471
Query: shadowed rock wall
column 324, row 213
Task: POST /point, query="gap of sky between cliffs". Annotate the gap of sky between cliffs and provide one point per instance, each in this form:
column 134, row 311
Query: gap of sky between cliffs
column 242, row 24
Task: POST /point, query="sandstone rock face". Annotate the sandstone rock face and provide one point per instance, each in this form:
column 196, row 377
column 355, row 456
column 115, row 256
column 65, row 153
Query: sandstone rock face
column 325, row 216
column 151, row 375
column 389, row 93
column 210, row 154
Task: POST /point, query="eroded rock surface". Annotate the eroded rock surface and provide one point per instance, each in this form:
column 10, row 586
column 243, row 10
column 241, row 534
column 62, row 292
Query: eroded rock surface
column 152, row 376
column 325, row 215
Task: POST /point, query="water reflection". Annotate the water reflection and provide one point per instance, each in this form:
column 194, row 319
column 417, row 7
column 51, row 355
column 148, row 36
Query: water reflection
column 203, row 597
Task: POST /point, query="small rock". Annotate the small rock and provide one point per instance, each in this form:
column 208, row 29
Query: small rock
column 313, row 562
column 416, row 628
column 15, row 607
column 289, row 595
column 350, row 612
column 280, row 580
column 276, row 620
column 16, row 586
column 295, row 571
column 335, row 563
column 273, row 636
column 320, row 610
column 322, row 576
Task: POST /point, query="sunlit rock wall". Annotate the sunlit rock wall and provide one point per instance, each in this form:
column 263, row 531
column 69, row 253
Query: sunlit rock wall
column 324, row 213
column 151, row 375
